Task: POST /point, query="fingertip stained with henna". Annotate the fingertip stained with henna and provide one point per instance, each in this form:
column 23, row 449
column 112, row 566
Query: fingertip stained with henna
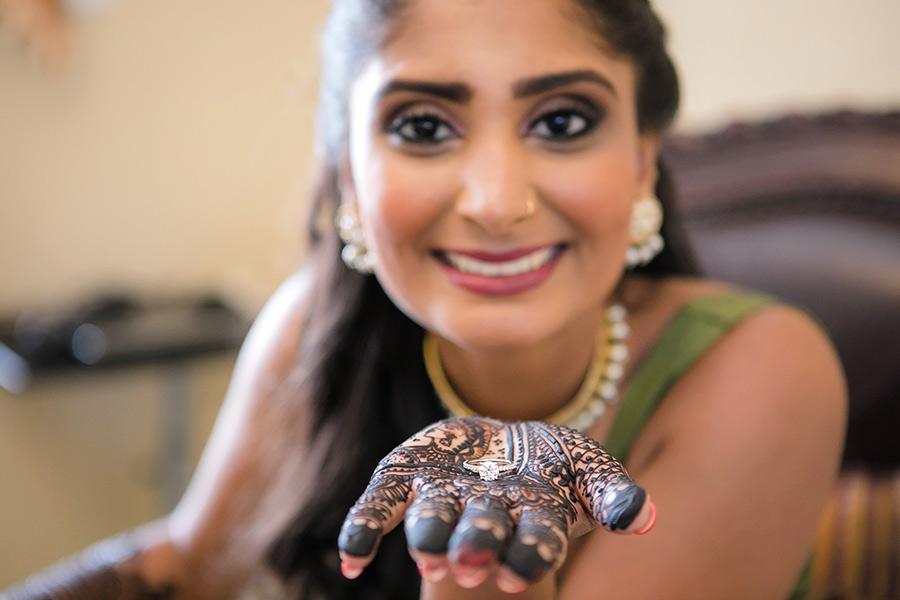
column 429, row 534
column 622, row 506
column 358, row 538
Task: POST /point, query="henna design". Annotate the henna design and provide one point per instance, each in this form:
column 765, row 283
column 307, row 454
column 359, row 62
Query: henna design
column 95, row 574
column 563, row 483
column 615, row 500
column 430, row 519
column 429, row 456
column 483, row 531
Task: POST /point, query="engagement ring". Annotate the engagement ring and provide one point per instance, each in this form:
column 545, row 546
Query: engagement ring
column 489, row 469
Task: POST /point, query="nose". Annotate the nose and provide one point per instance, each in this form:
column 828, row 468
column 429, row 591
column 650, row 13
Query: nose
column 497, row 193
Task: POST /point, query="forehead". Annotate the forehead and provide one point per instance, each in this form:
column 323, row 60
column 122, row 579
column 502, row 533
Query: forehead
column 495, row 41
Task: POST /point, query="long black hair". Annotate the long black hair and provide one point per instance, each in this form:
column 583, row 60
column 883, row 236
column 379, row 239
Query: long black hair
column 359, row 368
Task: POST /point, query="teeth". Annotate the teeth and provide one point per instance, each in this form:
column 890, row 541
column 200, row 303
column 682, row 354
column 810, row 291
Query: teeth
column 526, row 263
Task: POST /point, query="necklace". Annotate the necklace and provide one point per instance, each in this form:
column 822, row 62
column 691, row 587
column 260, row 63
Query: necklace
column 598, row 391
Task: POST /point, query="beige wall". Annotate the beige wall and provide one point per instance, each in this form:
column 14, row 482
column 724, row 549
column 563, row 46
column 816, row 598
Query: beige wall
column 757, row 58
column 169, row 156
column 173, row 155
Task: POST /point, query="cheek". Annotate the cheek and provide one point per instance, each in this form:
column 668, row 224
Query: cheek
column 399, row 204
column 596, row 197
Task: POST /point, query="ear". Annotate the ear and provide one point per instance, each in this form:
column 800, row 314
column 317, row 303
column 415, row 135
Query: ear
column 648, row 153
column 345, row 183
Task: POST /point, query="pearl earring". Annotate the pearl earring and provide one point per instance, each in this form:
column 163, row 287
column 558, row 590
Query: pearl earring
column 355, row 254
column 646, row 222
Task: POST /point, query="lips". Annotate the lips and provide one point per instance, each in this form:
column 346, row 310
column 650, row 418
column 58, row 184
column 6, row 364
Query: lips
column 500, row 273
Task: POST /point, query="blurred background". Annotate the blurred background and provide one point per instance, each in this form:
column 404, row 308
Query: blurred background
column 155, row 157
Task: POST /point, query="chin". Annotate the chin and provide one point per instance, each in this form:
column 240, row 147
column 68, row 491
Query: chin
column 486, row 332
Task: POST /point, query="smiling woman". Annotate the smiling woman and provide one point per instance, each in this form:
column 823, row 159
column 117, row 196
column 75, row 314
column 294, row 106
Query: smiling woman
column 491, row 178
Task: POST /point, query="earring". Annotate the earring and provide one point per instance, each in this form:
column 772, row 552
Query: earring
column 646, row 221
column 354, row 254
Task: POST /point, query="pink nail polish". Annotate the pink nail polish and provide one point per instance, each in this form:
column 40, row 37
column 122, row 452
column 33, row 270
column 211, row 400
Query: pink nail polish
column 350, row 572
column 646, row 528
column 470, row 578
column 510, row 584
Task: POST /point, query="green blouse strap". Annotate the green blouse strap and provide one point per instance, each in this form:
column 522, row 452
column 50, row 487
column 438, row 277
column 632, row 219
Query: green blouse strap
column 693, row 331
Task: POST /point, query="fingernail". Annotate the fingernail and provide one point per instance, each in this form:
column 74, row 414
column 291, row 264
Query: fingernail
column 469, row 578
column 623, row 506
column 349, row 571
column 431, row 572
column 650, row 523
column 509, row 583
column 437, row 574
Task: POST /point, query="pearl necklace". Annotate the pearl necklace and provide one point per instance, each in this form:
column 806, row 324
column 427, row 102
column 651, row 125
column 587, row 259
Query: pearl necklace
column 599, row 390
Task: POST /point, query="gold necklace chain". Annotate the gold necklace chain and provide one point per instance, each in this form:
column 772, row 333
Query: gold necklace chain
column 599, row 389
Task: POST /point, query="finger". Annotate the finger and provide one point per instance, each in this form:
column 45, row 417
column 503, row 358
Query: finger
column 645, row 520
column 538, row 546
column 429, row 523
column 509, row 582
column 624, row 507
column 377, row 511
column 615, row 500
column 483, row 531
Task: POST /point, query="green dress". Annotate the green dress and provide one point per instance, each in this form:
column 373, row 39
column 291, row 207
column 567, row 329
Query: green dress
column 693, row 331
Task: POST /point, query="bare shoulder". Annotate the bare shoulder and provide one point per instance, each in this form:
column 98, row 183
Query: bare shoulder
column 775, row 361
column 269, row 351
column 265, row 361
column 784, row 353
column 778, row 330
column 739, row 458
column 244, row 487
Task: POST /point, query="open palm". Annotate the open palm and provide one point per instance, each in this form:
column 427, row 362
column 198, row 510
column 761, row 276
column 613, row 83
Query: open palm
column 476, row 491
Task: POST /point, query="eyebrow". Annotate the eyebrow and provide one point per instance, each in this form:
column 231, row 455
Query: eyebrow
column 460, row 93
column 545, row 83
column 454, row 92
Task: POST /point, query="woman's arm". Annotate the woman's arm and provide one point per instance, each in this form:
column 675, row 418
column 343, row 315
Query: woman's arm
column 739, row 458
column 217, row 535
column 109, row 569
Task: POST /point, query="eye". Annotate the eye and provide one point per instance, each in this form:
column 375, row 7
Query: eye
column 420, row 129
column 562, row 125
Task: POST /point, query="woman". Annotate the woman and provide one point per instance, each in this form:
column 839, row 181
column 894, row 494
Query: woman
column 494, row 163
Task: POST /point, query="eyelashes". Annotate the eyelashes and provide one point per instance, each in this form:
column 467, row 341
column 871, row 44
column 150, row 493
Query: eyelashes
column 419, row 127
column 559, row 122
column 562, row 125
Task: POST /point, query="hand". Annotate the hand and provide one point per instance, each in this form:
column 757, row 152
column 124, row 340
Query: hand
column 41, row 24
column 559, row 484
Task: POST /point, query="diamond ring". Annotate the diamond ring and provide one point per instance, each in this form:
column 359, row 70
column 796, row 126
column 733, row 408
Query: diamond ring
column 488, row 469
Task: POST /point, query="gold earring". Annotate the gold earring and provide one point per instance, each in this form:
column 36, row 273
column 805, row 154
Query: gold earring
column 644, row 228
column 355, row 254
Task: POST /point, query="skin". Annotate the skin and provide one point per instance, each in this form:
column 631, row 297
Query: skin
column 473, row 191
column 561, row 483
column 741, row 454
column 109, row 576
column 472, row 188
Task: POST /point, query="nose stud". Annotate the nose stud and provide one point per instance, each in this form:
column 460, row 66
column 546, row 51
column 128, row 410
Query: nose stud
column 530, row 207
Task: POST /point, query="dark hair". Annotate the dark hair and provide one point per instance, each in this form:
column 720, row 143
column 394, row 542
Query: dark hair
column 359, row 363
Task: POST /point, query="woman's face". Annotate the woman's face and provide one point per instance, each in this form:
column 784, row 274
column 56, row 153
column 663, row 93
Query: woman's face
column 494, row 156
